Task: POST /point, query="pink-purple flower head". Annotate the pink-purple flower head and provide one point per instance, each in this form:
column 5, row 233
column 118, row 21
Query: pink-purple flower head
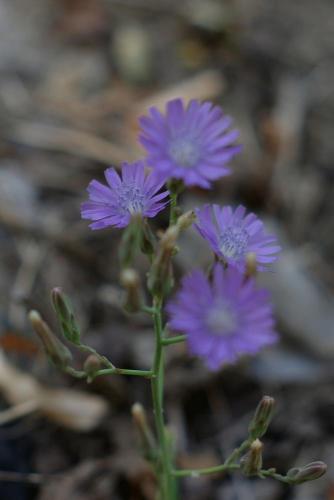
column 192, row 143
column 132, row 193
column 223, row 319
column 232, row 235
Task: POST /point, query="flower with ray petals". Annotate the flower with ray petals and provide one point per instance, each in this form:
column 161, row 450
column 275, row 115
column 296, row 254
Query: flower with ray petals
column 132, row 193
column 225, row 319
column 233, row 234
column 191, row 142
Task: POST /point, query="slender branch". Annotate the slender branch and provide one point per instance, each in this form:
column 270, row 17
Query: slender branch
column 164, row 466
column 204, row 472
column 109, row 371
column 125, row 371
column 225, row 467
column 74, row 373
column 91, row 350
column 148, row 309
column 238, row 452
column 274, row 475
column 174, row 340
column 173, row 208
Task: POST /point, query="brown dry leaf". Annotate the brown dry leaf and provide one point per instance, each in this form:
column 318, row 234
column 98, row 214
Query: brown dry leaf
column 70, row 408
column 68, row 140
column 205, row 85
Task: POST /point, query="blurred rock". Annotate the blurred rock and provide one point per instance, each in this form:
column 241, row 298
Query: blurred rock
column 279, row 365
column 302, row 304
column 18, row 195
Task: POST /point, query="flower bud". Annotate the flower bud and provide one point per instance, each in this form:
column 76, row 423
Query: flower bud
column 251, row 463
column 131, row 240
column 91, row 366
column 63, row 308
column 148, row 239
column 309, row 472
column 160, row 277
column 54, row 348
column 131, row 282
column 262, row 417
column 186, row 220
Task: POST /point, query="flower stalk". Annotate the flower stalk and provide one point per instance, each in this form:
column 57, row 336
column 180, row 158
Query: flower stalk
column 222, row 314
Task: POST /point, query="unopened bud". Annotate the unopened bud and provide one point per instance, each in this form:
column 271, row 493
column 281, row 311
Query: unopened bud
column 131, row 282
column 160, row 276
column 310, row 472
column 91, row 366
column 148, row 239
column 131, row 240
column 186, row 220
column 54, row 348
column 64, row 311
column 146, row 436
column 262, row 417
column 60, row 303
column 139, row 415
column 169, row 238
column 251, row 265
column 251, row 463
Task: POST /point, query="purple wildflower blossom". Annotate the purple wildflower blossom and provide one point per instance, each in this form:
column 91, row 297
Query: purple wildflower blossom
column 225, row 319
column 134, row 193
column 233, row 234
column 191, row 142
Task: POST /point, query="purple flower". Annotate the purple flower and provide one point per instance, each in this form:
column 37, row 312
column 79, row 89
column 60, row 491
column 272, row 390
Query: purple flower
column 134, row 193
column 225, row 319
column 233, row 234
column 191, row 142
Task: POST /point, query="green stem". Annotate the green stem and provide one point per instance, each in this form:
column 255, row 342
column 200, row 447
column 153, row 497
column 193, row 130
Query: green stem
column 125, row 371
column 238, row 452
column 174, row 340
column 164, row 468
column 225, row 467
column 204, row 472
column 274, row 475
column 173, row 208
column 109, row 371
column 148, row 309
column 229, row 464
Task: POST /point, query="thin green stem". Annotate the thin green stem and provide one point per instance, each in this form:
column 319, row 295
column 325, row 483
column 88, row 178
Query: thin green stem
column 229, row 464
column 125, row 371
column 164, row 466
column 236, row 454
column 148, row 309
column 173, row 208
column 274, row 475
column 75, row 373
column 225, row 467
column 204, row 472
column 174, row 340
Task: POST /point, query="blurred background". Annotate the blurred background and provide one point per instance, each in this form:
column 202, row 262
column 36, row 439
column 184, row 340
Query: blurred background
column 74, row 76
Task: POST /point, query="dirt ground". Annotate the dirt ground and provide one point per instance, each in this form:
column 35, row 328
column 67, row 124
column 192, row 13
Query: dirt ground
column 74, row 76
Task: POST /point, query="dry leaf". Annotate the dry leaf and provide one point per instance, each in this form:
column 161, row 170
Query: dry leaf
column 70, row 408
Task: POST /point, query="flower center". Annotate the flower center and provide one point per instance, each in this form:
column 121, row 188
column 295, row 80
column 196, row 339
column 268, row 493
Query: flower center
column 221, row 319
column 184, row 152
column 131, row 199
column 234, row 242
